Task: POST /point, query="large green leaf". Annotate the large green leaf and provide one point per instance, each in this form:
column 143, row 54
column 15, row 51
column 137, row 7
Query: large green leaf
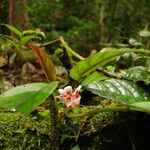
column 138, row 74
column 123, row 91
column 91, row 63
column 26, row 98
column 95, row 76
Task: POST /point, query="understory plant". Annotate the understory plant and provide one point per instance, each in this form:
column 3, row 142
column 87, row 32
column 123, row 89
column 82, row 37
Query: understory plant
column 103, row 76
column 14, row 44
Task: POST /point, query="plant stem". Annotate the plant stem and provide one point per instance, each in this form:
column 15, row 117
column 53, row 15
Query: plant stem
column 50, row 42
column 55, row 137
column 98, row 109
column 64, row 44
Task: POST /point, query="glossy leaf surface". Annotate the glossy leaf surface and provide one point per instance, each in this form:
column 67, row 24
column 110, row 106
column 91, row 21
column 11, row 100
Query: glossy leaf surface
column 123, row 91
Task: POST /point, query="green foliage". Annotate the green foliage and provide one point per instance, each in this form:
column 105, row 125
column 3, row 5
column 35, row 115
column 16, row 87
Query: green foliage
column 138, row 73
column 98, row 60
column 144, row 33
column 142, row 106
column 127, row 95
column 95, row 76
column 16, row 44
column 131, row 59
column 133, row 42
column 26, row 98
column 113, row 23
column 123, row 91
column 106, row 21
column 23, row 36
column 13, row 29
column 75, row 24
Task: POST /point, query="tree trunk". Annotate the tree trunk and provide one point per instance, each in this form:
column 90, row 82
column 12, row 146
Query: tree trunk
column 17, row 13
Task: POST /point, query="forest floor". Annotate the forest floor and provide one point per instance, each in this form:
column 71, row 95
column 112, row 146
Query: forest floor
column 21, row 74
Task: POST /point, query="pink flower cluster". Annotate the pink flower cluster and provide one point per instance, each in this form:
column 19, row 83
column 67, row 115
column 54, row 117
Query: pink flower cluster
column 69, row 98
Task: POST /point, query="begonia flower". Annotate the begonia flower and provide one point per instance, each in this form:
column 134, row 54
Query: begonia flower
column 69, row 98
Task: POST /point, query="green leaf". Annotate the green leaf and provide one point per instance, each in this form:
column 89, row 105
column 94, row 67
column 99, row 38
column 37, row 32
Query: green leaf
column 36, row 32
column 144, row 33
column 27, row 38
column 138, row 74
column 95, row 76
column 10, row 39
column 28, row 32
column 134, row 42
column 26, row 98
column 123, row 91
column 142, row 106
column 76, row 147
column 91, row 63
column 13, row 29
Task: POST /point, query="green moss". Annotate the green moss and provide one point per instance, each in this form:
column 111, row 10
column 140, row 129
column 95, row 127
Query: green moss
column 20, row 132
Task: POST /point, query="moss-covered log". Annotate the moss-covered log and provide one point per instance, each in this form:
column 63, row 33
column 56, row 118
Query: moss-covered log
column 20, row 132
column 101, row 131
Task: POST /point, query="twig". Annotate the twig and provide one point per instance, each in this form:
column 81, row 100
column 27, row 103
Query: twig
column 110, row 74
column 77, row 136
